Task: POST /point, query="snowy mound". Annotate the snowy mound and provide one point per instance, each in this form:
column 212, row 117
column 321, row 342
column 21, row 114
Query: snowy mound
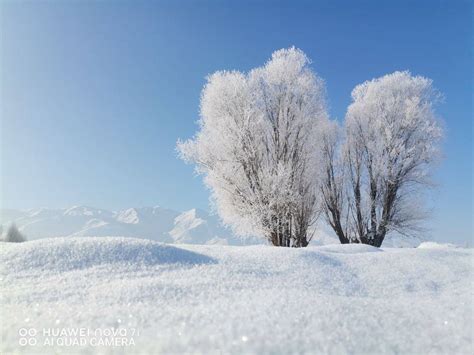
column 65, row 254
column 348, row 248
column 209, row 299
column 434, row 245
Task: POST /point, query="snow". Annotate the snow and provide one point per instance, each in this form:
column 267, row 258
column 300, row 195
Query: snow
column 194, row 226
column 185, row 223
column 157, row 223
column 198, row 227
column 128, row 216
column 349, row 248
column 65, row 254
column 82, row 211
column 240, row 299
column 434, row 245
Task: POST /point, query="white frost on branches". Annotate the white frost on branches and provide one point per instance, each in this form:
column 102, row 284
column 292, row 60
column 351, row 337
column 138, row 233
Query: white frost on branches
column 258, row 147
column 391, row 141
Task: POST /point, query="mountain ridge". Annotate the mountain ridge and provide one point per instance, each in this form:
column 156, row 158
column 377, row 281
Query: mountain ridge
column 156, row 223
column 194, row 226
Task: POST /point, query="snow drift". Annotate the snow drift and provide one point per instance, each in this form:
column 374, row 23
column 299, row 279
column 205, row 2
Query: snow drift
column 228, row 299
column 66, row 254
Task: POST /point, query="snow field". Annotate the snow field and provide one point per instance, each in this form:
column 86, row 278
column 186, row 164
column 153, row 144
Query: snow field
column 229, row 299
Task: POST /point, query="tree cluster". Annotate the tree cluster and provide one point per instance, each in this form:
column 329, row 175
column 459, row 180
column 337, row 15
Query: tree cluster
column 275, row 162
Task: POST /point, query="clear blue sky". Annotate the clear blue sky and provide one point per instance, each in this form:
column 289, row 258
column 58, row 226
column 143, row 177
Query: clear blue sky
column 94, row 95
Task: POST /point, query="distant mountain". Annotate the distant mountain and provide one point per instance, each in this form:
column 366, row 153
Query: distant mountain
column 157, row 223
column 198, row 227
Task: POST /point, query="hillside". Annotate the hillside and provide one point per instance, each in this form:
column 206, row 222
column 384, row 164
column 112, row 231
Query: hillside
column 238, row 299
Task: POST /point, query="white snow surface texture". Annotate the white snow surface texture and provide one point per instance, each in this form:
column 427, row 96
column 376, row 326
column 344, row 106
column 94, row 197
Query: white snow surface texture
column 206, row 299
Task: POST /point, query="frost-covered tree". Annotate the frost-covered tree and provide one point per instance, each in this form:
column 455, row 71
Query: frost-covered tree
column 14, row 235
column 258, row 147
column 372, row 183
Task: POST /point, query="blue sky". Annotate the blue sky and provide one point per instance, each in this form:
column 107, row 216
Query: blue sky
column 94, row 95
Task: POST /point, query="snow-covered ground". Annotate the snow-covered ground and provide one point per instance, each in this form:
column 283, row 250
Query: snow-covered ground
column 209, row 299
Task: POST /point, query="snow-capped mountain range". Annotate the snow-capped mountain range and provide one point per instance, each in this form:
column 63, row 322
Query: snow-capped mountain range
column 156, row 223
column 161, row 224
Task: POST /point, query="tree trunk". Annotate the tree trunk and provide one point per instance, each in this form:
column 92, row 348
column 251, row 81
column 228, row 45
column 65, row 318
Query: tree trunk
column 279, row 239
column 374, row 240
column 303, row 242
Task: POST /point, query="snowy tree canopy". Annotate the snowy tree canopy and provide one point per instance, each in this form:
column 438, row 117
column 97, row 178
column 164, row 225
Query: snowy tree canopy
column 392, row 135
column 258, row 147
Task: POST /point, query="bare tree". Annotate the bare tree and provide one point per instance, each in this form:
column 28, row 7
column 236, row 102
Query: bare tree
column 258, row 147
column 13, row 235
column 372, row 184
